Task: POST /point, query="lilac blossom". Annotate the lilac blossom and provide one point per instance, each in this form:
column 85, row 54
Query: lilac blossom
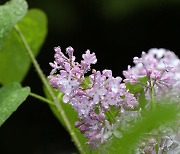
column 162, row 67
column 91, row 103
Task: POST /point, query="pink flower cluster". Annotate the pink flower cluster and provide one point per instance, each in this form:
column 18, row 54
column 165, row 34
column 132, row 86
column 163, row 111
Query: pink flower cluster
column 162, row 67
column 93, row 102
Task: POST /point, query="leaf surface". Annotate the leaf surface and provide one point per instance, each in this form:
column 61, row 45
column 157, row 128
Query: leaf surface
column 10, row 13
column 11, row 97
column 14, row 60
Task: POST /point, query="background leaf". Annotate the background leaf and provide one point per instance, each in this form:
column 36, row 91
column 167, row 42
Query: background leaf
column 138, row 89
column 10, row 14
column 72, row 116
column 120, row 8
column 142, row 100
column 14, row 60
column 11, row 96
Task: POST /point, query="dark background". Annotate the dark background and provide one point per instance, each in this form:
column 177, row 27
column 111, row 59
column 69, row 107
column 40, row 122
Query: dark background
column 116, row 30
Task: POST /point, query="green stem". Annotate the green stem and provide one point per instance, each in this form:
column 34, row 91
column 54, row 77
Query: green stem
column 41, row 98
column 82, row 81
column 44, row 80
column 110, row 115
column 152, row 94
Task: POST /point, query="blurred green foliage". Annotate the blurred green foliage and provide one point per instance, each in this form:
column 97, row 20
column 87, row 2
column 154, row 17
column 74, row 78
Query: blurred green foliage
column 120, row 8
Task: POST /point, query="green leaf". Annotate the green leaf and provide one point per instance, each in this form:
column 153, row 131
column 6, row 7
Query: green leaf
column 151, row 120
column 10, row 14
column 86, row 82
column 14, row 60
column 113, row 112
column 122, row 8
column 142, row 100
column 136, row 88
column 143, row 79
column 71, row 115
column 11, row 97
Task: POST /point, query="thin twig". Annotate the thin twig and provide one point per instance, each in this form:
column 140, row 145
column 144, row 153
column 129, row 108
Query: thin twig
column 44, row 80
column 41, row 98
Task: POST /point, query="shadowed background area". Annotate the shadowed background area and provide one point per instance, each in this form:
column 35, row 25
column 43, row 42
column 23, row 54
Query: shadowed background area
column 116, row 30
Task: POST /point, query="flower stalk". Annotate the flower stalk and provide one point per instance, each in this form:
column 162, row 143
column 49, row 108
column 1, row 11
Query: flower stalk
column 152, row 94
column 41, row 98
column 44, row 80
column 111, row 117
